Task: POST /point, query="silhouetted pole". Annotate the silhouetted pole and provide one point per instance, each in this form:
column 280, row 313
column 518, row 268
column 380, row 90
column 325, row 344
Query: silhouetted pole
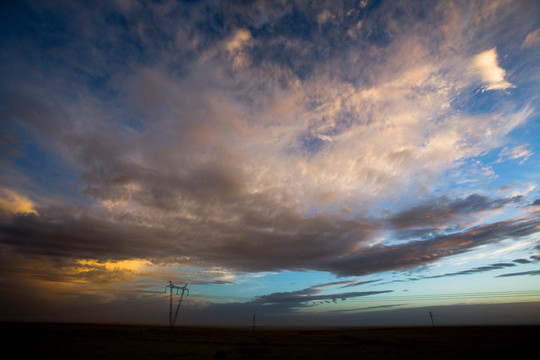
column 180, row 302
column 170, row 306
column 253, row 322
column 183, row 288
column 431, row 316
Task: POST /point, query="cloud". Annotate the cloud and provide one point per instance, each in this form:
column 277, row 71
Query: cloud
column 522, row 261
column 442, row 212
column 519, row 152
column 490, row 72
column 482, row 269
column 324, row 17
column 476, row 270
column 380, row 307
column 357, row 283
column 380, row 258
column 353, row 31
column 256, row 241
column 532, row 39
column 311, row 294
column 341, row 135
column 237, row 46
column 12, row 203
column 522, row 273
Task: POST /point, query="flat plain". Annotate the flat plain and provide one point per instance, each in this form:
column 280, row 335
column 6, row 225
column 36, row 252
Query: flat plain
column 89, row 341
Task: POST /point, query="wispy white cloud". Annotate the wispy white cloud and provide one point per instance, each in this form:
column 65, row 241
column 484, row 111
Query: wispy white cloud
column 490, row 72
column 519, row 152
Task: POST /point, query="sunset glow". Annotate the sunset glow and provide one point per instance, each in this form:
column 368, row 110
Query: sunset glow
column 314, row 163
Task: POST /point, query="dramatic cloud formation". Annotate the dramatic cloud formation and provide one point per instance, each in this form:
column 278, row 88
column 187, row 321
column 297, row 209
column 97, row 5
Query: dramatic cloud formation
column 226, row 144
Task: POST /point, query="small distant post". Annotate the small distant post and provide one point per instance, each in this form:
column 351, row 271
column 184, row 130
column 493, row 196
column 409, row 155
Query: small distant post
column 253, row 326
column 431, row 316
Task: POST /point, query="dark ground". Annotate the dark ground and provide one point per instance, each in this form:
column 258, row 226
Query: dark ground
column 77, row 342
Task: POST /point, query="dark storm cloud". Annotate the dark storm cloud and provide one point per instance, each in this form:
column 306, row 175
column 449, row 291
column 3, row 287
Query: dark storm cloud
column 262, row 236
column 74, row 236
column 415, row 253
column 475, row 270
column 279, row 238
column 357, row 283
column 161, row 191
column 443, row 210
column 381, row 307
column 260, row 239
column 535, row 203
column 482, row 269
column 302, row 297
column 522, row 273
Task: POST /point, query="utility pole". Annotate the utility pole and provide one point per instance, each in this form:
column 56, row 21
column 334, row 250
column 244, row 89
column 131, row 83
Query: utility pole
column 253, row 322
column 178, row 288
column 431, row 316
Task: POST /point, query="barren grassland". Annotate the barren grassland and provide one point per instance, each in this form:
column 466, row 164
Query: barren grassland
column 86, row 341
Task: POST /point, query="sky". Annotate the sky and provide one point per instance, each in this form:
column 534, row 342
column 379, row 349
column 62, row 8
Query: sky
column 339, row 163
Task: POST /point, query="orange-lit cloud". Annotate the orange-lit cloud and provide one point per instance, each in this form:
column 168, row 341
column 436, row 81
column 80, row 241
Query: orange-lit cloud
column 12, row 202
